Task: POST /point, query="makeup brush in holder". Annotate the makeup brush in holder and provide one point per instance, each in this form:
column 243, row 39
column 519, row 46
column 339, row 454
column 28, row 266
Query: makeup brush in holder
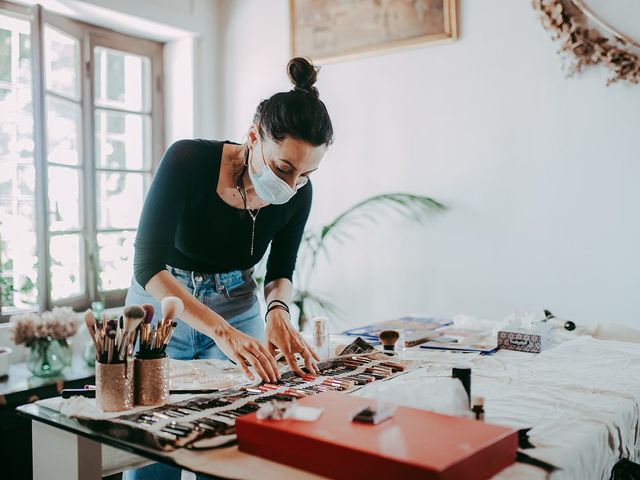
column 114, row 371
column 151, row 362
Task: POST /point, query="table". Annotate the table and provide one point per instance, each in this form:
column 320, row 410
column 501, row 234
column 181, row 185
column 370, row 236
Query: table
column 581, row 397
column 21, row 387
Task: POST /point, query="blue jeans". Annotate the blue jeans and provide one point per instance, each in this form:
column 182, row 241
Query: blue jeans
column 231, row 295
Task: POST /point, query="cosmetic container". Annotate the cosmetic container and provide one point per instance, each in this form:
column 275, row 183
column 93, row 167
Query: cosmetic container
column 114, row 386
column 152, row 380
column 321, row 343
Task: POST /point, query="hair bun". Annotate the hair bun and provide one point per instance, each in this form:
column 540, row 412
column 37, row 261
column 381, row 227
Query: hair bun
column 303, row 75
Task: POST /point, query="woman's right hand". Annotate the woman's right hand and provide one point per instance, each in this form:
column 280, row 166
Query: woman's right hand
column 247, row 351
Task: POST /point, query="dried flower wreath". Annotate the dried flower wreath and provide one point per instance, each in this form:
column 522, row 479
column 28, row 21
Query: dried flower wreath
column 586, row 45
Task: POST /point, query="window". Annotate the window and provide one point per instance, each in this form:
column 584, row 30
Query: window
column 78, row 140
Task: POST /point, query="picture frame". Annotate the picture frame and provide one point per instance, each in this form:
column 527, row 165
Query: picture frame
column 334, row 30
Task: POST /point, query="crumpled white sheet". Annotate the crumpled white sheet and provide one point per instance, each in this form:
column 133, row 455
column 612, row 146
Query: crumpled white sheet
column 581, row 397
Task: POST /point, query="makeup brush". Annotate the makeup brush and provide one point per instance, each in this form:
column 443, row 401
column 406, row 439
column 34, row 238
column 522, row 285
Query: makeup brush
column 90, row 320
column 171, row 308
column 111, row 340
column 389, row 339
column 149, row 311
column 133, row 315
column 168, row 337
column 120, row 331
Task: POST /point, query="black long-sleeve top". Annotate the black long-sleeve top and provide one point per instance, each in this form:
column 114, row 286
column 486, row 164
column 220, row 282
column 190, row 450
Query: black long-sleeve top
column 185, row 224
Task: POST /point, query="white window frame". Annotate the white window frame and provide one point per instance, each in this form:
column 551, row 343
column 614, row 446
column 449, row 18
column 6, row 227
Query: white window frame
column 89, row 37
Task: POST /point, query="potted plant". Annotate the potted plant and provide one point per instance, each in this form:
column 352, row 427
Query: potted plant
column 316, row 241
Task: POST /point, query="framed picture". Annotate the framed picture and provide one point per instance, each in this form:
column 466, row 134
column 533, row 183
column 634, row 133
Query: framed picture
column 329, row 30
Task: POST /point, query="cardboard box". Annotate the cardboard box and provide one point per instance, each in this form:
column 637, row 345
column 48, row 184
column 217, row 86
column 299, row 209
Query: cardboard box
column 413, row 444
column 534, row 339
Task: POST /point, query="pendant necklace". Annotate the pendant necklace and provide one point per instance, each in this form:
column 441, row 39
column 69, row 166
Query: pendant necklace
column 252, row 215
column 243, row 195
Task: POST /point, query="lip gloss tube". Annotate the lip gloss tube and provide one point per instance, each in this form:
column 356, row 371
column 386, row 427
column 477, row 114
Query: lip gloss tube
column 321, row 388
column 393, row 365
column 297, row 390
column 271, row 386
column 346, row 383
column 358, row 380
column 294, row 394
column 359, row 359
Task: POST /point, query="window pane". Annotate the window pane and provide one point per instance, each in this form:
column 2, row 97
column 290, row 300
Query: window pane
column 24, row 59
column 18, row 259
column 120, row 197
column 123, row 140
column 63, row 131
column 116, row 260
column 64, row 198
column 62, row 63
column 122, row 80
column 66, row 277
column 5, row 55
column 26, row 180
column 7, row 127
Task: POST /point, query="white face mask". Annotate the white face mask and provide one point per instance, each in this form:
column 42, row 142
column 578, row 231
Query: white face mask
column 268, row 186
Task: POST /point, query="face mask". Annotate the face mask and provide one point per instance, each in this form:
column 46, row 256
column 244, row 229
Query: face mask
column 268, row 186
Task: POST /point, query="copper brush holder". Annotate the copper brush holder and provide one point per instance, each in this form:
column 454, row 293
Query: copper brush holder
column 152, row 380
column 114, row 386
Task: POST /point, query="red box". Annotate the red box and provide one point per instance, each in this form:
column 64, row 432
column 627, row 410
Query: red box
column 413, row 444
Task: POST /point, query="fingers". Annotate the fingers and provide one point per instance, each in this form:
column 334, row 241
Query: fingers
column 272, row 350
column 271, row 361
column 243, row 365
column 308, row 360
column 290, row 357
column 256, row 364
column 267, row 362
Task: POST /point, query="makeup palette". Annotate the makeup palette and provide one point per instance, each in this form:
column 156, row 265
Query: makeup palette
column 195, row 422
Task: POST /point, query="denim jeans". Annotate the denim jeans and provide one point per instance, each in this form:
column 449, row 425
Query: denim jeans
column 231, row 295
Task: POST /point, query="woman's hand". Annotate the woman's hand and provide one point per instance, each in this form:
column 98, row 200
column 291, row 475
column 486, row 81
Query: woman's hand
column 281, row 334
column 247, row 351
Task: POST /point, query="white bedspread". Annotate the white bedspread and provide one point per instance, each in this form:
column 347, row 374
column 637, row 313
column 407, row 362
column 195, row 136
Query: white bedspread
column 581, row 399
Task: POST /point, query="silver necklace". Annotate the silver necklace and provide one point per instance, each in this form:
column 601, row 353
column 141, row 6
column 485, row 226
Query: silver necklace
column 252, row 215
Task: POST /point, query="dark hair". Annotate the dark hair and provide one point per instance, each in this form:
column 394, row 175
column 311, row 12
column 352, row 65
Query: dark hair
column 298, row 113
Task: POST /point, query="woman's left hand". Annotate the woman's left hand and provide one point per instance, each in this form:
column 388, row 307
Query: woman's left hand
column 281, row 334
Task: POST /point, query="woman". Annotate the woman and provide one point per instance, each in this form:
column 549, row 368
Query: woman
column 212, row 210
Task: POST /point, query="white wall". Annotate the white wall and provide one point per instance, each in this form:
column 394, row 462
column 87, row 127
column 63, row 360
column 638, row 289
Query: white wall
column 541, row 172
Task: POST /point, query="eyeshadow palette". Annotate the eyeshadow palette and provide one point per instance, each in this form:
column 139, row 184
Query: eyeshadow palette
column 208, row 421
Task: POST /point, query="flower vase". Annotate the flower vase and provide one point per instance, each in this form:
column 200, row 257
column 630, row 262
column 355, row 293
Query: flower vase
column 66, row 351
column 46, row 358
